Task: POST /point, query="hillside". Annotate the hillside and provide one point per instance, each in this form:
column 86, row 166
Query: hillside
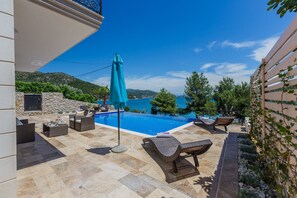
column 59, row 78
column 136, row 93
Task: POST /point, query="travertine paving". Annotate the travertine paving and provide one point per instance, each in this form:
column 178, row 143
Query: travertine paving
column 81, row 165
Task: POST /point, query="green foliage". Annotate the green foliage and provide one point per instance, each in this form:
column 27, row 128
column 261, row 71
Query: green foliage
column 210, row 108
column 127, row 108
column 224, row 94
column 164, row 102
column 246, row 193
column 135, row 111
column 102, row 93
column 68, row 92
column 250, row 180
column 197, row 92
column 233, row 98
column 283, row 6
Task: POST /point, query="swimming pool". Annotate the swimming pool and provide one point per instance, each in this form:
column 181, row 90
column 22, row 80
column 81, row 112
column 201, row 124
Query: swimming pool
column 142, row 123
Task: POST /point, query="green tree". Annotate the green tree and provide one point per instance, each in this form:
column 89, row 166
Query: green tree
column 242, row 103
column 283, row 6
column 103, row 93
column 197, row 93
column 210, row 108
column 127, row 108
column 164, row 102
column 225, row 96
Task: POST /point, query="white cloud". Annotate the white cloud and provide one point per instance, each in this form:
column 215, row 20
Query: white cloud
column 238, row 45
column 237, row 71
column 173, row 81
column 197, row 50
column 212, row 44
column 208, row 65
column 263, row 49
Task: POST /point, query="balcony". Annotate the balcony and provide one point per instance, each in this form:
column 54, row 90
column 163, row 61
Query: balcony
column 44, row 29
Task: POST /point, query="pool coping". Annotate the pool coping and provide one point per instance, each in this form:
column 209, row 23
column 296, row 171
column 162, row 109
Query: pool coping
column 142, row 134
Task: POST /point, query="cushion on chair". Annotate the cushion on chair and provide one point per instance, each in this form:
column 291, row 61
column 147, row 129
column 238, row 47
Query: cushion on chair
column 80, row 113
column 18, row 122
column 90, row 114
column 71, row 119
column 78, row 121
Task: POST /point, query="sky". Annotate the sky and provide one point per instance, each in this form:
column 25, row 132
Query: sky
column 163, row 42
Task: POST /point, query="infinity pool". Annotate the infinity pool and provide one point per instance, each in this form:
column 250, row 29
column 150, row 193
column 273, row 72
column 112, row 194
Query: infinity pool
column 142, row 123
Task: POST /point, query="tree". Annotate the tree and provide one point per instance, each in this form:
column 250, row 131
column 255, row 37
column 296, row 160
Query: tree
column 283, row 6
column 164, row 102
column 210, row 108
column 103, row 93
column 197, row 93
column 242, row 104
column 224, row 95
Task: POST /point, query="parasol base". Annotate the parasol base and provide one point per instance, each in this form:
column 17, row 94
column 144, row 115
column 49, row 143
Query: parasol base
column 119, row 149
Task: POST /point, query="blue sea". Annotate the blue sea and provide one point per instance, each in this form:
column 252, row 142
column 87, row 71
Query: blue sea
column 144, row 105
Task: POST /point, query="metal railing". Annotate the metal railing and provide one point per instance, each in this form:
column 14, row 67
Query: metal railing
column 94, row 5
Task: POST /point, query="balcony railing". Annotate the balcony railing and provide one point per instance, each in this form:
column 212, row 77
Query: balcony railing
column 94, row 5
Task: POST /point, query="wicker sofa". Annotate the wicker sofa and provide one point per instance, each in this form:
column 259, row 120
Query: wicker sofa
column 25, row 131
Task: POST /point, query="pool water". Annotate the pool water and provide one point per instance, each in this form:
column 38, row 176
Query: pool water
column 142, row 123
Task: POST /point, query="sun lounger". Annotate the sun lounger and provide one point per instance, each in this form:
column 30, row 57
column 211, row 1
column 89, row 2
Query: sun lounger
column 169, row 149
column 219, row 121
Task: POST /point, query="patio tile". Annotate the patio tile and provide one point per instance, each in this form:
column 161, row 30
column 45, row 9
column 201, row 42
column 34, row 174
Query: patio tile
column 138, row 185
column 81, row 165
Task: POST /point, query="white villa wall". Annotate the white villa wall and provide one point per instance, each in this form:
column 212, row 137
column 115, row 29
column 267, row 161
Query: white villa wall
column 7, row 102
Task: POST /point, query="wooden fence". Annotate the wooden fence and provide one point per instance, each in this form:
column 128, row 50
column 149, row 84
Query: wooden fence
column 274, row 110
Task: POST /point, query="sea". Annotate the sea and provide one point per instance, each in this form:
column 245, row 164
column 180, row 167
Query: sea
column 144, row 105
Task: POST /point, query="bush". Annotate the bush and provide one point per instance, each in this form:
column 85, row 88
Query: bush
column 246, row 193
column 127, row 108
column 250, row 180
column 68, row 91
column 248, row 149
column 135, row 111
column 246, row 141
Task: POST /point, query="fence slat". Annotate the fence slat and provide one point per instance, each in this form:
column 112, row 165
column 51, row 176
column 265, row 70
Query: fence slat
column 290, row 61
column 289, row 110
column 277, row 95
column 282, row 52
column 285, row 36
column 280, row 85
column 279, row 117
column 277, row 79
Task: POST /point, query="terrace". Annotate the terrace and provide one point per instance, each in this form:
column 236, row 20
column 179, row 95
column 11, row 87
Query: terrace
column 81, row 165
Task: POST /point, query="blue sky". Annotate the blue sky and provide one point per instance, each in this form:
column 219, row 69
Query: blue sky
column 162, row 42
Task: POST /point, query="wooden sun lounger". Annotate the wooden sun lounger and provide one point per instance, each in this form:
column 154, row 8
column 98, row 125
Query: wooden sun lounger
column 169, row 148
column 220, row 121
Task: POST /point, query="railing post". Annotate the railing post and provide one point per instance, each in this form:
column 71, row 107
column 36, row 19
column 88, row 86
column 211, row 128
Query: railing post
column 263, row 98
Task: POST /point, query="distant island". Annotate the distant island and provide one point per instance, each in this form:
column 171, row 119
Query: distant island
column 60, row 78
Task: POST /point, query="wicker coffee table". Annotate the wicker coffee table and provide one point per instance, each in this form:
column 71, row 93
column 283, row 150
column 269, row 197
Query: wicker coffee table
column 51, row 130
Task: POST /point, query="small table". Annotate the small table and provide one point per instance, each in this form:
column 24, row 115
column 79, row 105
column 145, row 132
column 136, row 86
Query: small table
column 55, row 130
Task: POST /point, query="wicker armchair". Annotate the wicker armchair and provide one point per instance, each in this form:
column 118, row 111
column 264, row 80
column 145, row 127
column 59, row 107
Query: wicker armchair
column 85, row 124
column 25, row 132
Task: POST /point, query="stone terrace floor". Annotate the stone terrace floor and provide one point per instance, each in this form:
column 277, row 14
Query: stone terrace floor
column 80, row 165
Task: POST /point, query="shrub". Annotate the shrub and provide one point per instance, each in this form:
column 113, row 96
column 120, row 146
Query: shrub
column 248, row 149
column 250, row 180
column 135, row 111
column 246, row 193
column 127, row 108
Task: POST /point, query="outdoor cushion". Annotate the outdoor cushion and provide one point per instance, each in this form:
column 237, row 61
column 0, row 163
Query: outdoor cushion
column 71, row 119
column 90, row 114
column 80, row 113
column 78, row 121
column 18, row 122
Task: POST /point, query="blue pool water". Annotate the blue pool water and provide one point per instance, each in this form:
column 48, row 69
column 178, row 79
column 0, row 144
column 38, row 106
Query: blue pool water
column 142, row 123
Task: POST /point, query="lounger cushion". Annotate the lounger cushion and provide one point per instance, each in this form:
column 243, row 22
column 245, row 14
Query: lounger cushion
column 71, row 119
column 90, row 114
column 78, row 121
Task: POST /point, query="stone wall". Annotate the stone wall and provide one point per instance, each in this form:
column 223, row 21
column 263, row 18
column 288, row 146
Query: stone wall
column 51, row 103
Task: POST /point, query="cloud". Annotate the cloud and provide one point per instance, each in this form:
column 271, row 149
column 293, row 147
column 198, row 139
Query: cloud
column 197, row 50
column 237, row 71
column 208, row 65
column 264, row 47
column 212, row 44
column 173, row 81
column 238, row 45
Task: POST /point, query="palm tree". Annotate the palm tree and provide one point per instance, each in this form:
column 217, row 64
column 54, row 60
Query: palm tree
column 103, row 93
